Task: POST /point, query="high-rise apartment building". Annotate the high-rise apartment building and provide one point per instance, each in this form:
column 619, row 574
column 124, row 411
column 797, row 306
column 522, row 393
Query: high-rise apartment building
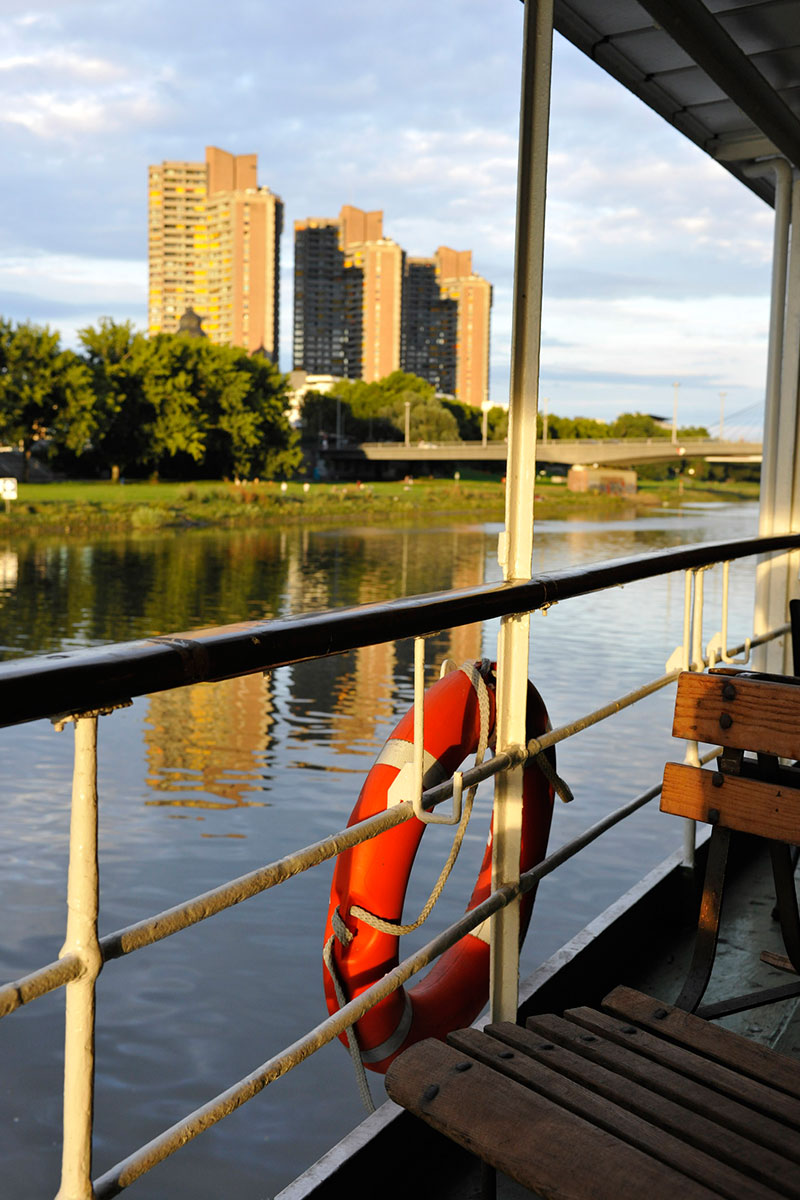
column 214, row 246
column 348, row 290
column 362, row 309
column 430, row 327
column 473, row 297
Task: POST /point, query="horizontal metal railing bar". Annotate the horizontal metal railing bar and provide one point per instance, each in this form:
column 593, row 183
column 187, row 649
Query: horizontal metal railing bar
column 154, row 929
column 182, row 916
column 647, row 689
column 107, row 675
column 39, row 983
column 165, row 1144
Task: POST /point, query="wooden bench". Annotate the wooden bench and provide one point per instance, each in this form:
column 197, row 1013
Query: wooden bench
column 757, row 720
column 642, row 1098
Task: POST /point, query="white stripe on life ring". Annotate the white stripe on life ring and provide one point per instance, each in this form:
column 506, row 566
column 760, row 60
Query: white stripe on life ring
column 395, row 1041
column 399, row 753
column 482, row 932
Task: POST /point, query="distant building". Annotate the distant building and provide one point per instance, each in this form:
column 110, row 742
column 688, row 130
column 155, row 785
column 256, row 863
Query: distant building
column 446, row 324
column 191, row 323
column 614, row 481
column 214, row 247
column 348, row 283
column 363, row 309
column 430, row 326
column 301, row 382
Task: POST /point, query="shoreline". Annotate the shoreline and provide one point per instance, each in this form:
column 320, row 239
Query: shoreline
column 77, row 508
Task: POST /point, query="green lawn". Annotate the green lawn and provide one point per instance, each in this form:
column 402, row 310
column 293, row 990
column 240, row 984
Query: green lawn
column 76, row 507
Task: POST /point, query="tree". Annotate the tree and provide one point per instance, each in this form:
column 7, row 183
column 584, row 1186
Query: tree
column 74, row 418
column 115, row 354
column 173, row 386
column 43, row 390
column 469, row 419
column 637, row 425
column 497, row 423
column 246, row 399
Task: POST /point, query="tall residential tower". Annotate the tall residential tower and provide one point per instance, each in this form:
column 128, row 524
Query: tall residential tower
column 348, row 289
column 214, row 246
column 362, row 309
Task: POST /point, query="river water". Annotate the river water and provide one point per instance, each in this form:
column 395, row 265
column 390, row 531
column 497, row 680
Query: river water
column 207, row 783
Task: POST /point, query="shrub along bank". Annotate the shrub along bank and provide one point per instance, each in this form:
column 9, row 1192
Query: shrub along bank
column 83, row 507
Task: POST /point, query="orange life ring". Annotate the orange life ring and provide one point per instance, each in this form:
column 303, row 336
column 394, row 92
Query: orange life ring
column 375, row 875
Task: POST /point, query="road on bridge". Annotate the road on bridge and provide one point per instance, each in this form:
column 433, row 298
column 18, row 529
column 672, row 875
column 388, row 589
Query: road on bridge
column 618, row 452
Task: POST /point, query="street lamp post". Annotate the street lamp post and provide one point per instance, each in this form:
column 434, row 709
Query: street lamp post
column 722, row 396
column 408, row 422
column 675, row 387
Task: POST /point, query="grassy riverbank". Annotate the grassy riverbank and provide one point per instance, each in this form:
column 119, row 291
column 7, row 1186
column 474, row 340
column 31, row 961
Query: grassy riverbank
column 78, row 507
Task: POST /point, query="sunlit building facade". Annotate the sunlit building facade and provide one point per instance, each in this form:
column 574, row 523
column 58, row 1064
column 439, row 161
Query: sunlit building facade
column 348, row 289
column 473, row 298
column 214, row 246
column 363, row 309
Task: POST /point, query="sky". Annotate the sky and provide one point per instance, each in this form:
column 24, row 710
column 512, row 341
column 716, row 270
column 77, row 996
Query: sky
column 657, row 263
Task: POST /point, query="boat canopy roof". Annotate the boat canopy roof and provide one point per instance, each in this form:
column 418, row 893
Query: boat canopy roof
column 726, row 73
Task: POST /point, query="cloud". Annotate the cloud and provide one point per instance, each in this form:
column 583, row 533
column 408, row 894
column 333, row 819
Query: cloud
column 40, row 286
column 48, row 115
column 66, row 63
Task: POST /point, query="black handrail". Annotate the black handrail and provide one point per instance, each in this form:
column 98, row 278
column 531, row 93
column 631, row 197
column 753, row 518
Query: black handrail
column 86, row 680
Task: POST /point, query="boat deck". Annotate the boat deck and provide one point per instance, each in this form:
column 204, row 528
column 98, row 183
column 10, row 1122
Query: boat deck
column 747, row 923
column 747, row 928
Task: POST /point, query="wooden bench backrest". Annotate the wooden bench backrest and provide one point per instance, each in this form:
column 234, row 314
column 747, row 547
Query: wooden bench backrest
column 739, row 713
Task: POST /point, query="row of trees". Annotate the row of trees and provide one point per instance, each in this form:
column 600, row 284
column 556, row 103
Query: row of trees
column 376, row 412
column 130, row 404
column 366, row 412
column 626, row 425
column 183, row 407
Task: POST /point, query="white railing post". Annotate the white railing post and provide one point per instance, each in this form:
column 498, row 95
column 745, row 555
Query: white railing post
column 780, row 464
column 691, row 756
column 81, row 940
column 516, row 552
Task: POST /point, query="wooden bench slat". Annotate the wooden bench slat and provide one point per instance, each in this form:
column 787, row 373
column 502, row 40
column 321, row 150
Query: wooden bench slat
column 746, row 805
column 781, row 1129
column 764, row 715
column 703, row 1110
column 536, row 1142
column 731, row 1049
column 607, row 1102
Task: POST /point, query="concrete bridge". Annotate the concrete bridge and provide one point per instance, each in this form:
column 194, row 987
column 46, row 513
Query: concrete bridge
column 618, row 452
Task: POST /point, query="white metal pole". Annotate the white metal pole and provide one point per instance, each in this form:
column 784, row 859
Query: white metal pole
column 81, row 940
column 784, row 500
column 516, row 551
column 691, row 754
column 777, row 327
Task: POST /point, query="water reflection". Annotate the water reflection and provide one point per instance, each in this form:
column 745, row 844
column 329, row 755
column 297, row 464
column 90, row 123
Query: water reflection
column 207, row 746
column 9, row 569
column 201, row 785
column 210, row 747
